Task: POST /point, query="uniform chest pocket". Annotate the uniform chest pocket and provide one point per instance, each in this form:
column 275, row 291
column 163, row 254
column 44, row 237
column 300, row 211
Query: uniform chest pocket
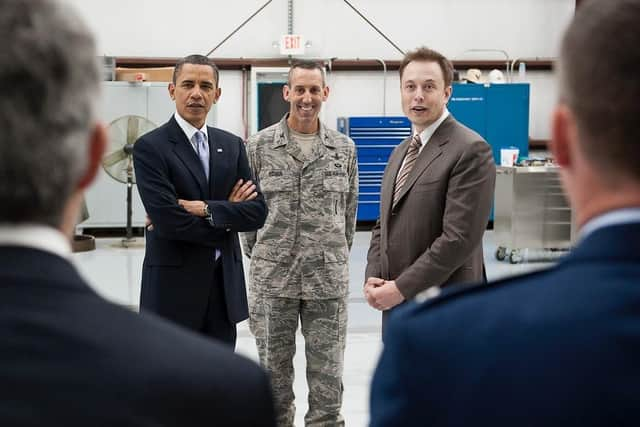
column 335, row 181
column 275, row 181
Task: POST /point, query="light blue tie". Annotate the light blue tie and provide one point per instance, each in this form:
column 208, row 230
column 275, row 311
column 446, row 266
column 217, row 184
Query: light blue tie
column 202, row 147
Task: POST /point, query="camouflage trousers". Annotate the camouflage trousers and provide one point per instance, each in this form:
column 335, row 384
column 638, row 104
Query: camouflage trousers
column 274, row 321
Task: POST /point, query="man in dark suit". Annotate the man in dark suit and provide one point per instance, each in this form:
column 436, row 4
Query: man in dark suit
column 194, row 181
column 436, row 194
column 558, row 347
column 67, row 356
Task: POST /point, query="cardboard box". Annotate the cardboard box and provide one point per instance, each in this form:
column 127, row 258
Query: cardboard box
column 158, row 74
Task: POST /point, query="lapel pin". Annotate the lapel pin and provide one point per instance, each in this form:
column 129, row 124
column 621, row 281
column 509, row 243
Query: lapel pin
column 219, row 150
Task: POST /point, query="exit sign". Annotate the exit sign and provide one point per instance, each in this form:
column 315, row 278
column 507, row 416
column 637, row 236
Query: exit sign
column 292, row 44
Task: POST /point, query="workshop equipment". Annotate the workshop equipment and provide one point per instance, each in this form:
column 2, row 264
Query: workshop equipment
column 533, row 220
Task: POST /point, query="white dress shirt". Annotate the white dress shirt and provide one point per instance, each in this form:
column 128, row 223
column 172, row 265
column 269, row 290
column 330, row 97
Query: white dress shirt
column 615, row 217
column 426, row 134
column 35, row 236
column 189, row 130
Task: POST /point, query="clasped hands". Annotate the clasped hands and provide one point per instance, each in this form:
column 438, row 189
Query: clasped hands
column 382, row 294
column 242, row 191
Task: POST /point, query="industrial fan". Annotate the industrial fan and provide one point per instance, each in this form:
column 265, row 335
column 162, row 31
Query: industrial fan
column 118, row 161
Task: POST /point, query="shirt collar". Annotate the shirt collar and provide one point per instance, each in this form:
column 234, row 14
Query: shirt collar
column 188, row 129
column 282, row 133
column 615, row 217
column 35, row 236
column 303, row 136
column 426, row 134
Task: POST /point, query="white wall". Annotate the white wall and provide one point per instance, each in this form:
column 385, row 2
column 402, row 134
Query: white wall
column 543, row 97
column 523, row 28
column 229, row 109
column 152, row 28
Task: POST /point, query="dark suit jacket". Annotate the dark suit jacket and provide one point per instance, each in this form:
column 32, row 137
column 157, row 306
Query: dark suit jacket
column 69, row 358
column 554, row 348
column 434, row 235
column 179, row 261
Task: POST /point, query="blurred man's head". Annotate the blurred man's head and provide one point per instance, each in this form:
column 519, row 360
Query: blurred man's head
column 50, row 142
column 595, row 131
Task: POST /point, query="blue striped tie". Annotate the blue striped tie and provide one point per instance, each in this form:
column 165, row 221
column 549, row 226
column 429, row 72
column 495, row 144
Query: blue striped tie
column 202, row 147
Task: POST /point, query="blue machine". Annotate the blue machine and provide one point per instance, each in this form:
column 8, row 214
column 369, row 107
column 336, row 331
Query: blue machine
column 498, row 112
column 375, row 139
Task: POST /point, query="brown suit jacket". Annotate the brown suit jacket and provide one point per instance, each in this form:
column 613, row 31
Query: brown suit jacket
column 433, row 237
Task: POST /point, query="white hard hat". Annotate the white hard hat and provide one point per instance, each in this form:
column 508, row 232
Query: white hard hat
column 473, row 76
column 496, row 76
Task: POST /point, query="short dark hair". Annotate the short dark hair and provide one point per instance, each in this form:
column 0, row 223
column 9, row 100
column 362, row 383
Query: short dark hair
column 196, row 60
column 599, row 64
column 425, row 54
column 305, row 65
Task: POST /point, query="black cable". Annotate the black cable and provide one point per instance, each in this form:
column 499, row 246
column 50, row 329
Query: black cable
column 237, row 29
column 374, row 27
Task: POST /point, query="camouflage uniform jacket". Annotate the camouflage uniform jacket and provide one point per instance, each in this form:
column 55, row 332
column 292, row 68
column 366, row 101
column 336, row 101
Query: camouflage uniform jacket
column 303, row 249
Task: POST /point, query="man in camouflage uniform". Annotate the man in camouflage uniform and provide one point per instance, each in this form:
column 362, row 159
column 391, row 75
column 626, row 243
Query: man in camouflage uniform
column 299, row 259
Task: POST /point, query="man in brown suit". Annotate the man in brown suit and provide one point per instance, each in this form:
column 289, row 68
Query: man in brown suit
column 436, row 194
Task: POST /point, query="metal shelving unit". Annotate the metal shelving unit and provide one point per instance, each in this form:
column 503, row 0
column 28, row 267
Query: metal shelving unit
column 533, row 221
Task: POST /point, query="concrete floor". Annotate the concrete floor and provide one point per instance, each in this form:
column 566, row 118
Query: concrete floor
column 115, row 273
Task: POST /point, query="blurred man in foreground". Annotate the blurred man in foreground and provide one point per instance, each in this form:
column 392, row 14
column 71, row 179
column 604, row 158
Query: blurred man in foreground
column 68, row 357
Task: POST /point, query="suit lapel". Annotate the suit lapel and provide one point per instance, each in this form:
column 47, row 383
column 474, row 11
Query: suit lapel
column 392, row 171
column 185, row 152
column 429, row 153
column 217, row 164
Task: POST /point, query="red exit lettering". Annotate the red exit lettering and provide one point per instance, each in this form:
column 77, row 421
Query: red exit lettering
column 292, row 42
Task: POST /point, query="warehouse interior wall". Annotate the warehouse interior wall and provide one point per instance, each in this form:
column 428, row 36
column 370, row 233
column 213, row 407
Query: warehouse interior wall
column 525, row 29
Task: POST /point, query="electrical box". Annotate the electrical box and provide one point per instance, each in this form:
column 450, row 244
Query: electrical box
column 498, row 112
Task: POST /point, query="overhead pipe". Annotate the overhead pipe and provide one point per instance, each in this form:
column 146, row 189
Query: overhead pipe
column 384, row 86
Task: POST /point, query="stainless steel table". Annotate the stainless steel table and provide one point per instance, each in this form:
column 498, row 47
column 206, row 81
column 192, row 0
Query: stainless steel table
column 532, row 218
